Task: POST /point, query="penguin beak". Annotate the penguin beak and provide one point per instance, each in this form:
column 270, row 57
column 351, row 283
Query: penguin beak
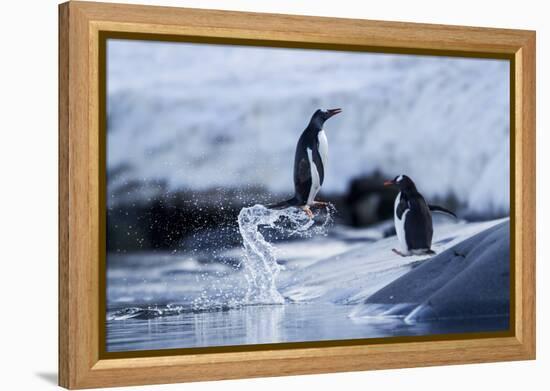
column 333, row 112
column 389, row 183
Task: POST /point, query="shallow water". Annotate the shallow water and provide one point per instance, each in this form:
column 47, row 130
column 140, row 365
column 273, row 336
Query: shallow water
column 263, row 324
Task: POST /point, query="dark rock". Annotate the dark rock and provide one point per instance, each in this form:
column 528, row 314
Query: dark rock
column 368, row 201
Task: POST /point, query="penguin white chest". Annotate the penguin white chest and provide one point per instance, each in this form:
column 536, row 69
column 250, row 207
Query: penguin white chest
column 315, row 177
column 323, row 148
column 400, row 224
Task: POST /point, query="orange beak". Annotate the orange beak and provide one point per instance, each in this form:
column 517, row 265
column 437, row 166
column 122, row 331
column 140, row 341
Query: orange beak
column 389, row 183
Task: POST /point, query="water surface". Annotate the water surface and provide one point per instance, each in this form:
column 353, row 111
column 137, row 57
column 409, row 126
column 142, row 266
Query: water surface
column 264, row 324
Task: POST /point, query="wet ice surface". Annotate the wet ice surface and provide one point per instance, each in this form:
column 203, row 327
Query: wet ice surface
column 303, row 289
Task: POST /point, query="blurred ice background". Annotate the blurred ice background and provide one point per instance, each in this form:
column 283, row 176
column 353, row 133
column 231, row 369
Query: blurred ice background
column 200, row 117
column 197, row 132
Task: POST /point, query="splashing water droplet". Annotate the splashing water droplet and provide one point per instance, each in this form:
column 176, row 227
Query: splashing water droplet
column 260, row 257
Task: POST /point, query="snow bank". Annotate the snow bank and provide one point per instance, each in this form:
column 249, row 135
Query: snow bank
column 351, row 277
column 471, row 279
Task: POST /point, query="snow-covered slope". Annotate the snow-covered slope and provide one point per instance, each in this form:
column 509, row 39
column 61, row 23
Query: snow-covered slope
column 201, row 117
column 352, row 276
column 470, row 280
column 321, row 270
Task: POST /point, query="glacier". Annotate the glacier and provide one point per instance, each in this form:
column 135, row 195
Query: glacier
column 204, row 117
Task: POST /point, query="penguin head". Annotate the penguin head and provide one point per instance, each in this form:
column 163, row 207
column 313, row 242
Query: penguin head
column 320, row 116
column 402, row 182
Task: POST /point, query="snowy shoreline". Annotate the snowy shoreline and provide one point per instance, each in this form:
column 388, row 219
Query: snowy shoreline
column 381, row 283
column 361, row 289
column 468, row 280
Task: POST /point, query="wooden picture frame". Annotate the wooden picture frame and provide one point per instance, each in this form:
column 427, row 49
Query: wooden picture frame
column 82, row 161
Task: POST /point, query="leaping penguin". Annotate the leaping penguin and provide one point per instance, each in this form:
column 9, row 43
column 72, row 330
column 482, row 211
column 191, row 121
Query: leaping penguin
column 310, row 163
column 413, row 218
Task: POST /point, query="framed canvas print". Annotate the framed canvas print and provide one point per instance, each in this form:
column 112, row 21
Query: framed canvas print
column 248, row 195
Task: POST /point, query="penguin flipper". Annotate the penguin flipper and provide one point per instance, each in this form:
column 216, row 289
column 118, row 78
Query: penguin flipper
column 302, row 178
column 440, row 209
column 418, row 225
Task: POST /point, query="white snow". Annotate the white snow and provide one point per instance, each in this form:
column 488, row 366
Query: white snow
column 200, row 117
column 352, row 276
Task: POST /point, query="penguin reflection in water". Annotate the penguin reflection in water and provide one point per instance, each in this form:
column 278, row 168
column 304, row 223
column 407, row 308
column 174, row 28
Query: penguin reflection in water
column 310, row 163
column 413, row 218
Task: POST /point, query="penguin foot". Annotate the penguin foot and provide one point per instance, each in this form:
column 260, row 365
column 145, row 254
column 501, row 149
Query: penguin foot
column 308, row 211
column 398, row 252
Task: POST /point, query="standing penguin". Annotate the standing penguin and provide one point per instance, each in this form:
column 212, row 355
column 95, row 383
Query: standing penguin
column 310, row 162
column 413, row 218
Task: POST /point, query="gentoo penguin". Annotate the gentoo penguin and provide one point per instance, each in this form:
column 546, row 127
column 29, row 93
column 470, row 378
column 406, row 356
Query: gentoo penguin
column 310, row 162
column 412, row 218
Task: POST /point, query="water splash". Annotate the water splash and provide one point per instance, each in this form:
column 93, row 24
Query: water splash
column 257, row 285
column 158, row 311
column 260, row 257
